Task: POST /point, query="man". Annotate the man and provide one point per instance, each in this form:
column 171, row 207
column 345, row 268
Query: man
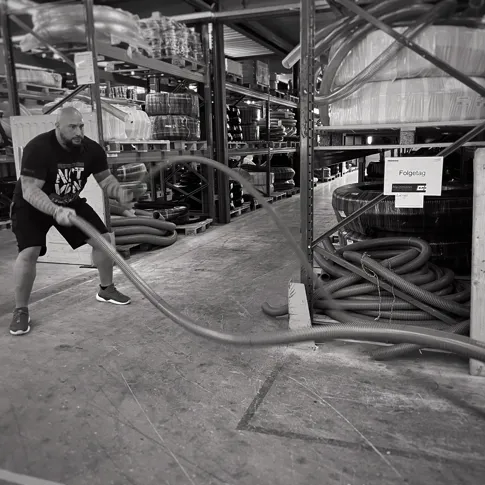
column 54, row 171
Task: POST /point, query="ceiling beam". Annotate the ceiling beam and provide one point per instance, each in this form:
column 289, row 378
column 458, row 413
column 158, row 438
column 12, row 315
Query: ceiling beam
column 254, row 31
column 270, row 41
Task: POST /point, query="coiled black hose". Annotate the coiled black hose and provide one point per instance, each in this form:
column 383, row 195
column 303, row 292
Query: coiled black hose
column 140, row 230
column 431, row 284
column 424, row 337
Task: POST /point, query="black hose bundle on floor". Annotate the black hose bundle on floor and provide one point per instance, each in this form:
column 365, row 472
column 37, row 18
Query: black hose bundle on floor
column 143, row 230
column 400, row 286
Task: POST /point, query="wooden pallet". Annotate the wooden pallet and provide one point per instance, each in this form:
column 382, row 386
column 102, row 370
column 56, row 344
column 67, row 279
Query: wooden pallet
column 292, row 192
column 37, row 88
column 137, row 146
column 234, row 78
column 265, row 144
column 188, row 146
column 237, row 145
column 246, row 207
column 127, row 250
column 184, row 63
column 257, row 205
column 278, row 196
column 195, row 228
column 282, row 95
column 257, row 87
column 5, row 224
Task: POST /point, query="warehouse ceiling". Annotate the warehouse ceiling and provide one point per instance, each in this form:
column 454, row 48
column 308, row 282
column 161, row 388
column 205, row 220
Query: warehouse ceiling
column 269, row 36
column 262, row 38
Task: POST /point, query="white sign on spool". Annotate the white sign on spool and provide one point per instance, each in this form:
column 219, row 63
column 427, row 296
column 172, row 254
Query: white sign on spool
column 84, row 67
column 413, row 175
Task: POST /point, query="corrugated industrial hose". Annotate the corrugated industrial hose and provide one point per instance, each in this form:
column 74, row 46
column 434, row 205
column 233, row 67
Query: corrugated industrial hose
column 352, row 328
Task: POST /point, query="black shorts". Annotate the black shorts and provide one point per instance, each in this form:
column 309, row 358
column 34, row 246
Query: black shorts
column 31, row 226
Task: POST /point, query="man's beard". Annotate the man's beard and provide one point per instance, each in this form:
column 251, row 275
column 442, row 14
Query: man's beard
column 70, row 145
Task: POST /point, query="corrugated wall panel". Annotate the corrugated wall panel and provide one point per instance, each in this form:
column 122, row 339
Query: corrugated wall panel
column 237, row 45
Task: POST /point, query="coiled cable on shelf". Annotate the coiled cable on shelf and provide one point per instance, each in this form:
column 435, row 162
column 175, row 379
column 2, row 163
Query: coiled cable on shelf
column 353, row 328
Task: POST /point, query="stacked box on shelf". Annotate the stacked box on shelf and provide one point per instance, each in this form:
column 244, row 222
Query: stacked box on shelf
column 234, row 68
column 169, row 39
column 174, row 116
column 255, row 72
column 234, row 129
column 249, row 122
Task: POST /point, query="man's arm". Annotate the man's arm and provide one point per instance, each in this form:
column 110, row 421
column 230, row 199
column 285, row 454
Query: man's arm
column 32, row 192
column 107, row 181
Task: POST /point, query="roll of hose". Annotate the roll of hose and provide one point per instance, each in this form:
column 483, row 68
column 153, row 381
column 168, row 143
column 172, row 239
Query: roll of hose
column 142, row 221
column 162, row 241
column 132, row 172
column 130, row 230
column 140, row 230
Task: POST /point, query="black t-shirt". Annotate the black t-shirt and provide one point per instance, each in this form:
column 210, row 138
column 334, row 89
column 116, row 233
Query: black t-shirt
column 65, row 172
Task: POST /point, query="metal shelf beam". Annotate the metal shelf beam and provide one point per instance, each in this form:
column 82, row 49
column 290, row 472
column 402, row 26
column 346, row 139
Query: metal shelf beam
column 155, row 65
column 373, row 148
column 361, row 129
column 236, row 88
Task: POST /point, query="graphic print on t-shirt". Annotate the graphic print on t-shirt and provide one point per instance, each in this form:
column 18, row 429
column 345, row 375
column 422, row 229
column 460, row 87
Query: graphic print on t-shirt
column 69, row 183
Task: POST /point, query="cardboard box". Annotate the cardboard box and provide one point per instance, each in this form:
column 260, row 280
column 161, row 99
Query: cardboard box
column 255, row 72
column 233, row 67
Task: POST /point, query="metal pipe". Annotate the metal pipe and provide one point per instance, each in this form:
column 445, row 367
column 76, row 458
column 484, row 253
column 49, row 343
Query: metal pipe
column 307, row 122
column 11, row 75
column 91, row 44
column 95, row 94
column 247, row 13
column 268, row 138
column 26, row 28
column 67, row 98
column 209, row 199
column 220, row 119
column 451, row 71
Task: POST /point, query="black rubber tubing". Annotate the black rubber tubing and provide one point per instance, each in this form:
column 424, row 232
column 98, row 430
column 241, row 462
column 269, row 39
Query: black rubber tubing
column 142, row 221
column 410, row 288
column 162, row 241
column 131, row 230
column 463, row 346
column 381, row 284
column 386, row 353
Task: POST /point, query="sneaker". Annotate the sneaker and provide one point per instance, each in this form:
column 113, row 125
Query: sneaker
column 20, row 322
column 112, row 295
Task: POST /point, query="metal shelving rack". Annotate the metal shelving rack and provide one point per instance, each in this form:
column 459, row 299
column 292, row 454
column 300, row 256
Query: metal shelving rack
column 140, row 63
column 308, row 240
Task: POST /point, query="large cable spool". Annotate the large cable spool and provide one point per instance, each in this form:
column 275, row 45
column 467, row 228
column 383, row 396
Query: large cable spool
column 450, row 212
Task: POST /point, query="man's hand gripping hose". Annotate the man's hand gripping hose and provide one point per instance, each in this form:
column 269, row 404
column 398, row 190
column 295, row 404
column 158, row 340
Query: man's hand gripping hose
column 364, row 330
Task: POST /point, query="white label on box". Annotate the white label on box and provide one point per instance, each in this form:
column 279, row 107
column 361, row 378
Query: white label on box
column 84, row 67
column 404, row 175
column 409, row 201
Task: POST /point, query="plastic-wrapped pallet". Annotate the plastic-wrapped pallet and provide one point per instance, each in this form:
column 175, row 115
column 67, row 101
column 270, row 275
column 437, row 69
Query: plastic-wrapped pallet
column 39, row 77
column 137, row 124
column 168, row 38
column 183, row 104
column 461, row 47
column 65, row 24
column 175, row 128
column 113, row 128
column 409, row 101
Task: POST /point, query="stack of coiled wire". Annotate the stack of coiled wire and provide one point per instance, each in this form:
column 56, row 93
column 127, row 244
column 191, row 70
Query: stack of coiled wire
column 401, row 287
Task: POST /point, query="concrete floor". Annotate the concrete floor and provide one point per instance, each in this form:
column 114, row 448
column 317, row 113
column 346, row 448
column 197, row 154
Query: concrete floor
column 100, row 395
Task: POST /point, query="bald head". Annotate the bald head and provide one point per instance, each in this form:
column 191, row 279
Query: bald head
column 70, row 127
